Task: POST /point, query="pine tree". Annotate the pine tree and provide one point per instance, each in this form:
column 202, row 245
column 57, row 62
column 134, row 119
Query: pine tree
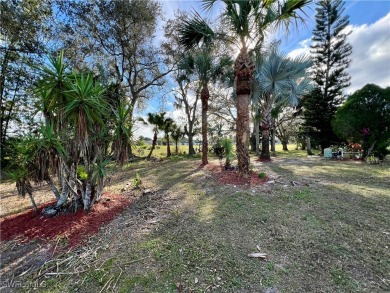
column 330, row 53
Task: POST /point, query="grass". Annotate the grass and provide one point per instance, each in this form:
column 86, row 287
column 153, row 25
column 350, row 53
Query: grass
column 328, row 234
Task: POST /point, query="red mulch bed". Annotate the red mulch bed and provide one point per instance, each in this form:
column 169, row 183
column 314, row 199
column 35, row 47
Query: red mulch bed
column 75, row 227
column 231, row 177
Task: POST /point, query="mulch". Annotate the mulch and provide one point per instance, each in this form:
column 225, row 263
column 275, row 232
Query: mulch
column 232, row 177
column 73, row 227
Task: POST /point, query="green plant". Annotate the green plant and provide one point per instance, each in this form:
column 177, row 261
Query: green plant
column 228, row 152
column 262, row 175
column 82, row 173
column 137, row 181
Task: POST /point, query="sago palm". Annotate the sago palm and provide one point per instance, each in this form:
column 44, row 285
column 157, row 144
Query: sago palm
column 247, row 21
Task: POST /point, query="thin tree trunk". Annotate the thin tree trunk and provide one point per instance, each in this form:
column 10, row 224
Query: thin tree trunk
column 50, row 182
column 177, row 148
column 257, row 135
column 308, row 146
column 168, row 147
column 153, row 145
column 204, row 95
column 34, row 205
column 87, row 196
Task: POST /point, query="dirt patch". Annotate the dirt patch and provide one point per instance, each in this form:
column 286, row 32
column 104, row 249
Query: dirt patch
column 72, row 227
column 232, row 177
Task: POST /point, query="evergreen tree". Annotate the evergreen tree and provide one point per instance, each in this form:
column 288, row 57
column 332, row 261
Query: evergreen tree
column 330, row 53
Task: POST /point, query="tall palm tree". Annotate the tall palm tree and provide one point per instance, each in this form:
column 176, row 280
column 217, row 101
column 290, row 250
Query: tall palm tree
column 208, row 68
column 280, row 80
column 157, row 120
column 248, row 21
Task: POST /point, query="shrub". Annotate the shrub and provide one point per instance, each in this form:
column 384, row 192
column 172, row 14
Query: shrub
column 262, row 175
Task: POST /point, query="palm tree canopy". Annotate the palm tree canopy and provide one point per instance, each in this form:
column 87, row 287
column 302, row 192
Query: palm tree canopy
column 282, row 78
column 247, row 21
column 157, row 120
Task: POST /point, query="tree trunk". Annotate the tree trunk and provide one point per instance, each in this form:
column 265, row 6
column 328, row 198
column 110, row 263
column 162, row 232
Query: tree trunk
column 243, row 72
column 168, row 147
column 153, row 145
column 284, row 144
column 273, row 142
column 191, row 150
column 87, row 196
column 265, row 130
column 176, row 147
column 34, row 205
column 50, row 182
column 64, row 194
column 204, row 96
column 257, row 135
column 308, row 146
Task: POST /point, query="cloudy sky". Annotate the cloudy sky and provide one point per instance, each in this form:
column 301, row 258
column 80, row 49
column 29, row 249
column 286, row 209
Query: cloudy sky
column 370, row 40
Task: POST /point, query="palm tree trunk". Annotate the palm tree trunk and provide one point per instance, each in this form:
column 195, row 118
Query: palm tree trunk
column 273, row 142
column 257, row 135
column 243, row 72
column 168, row 147
column 64, row 194
column 265, row 129
column 204, row 95
column 153, row 145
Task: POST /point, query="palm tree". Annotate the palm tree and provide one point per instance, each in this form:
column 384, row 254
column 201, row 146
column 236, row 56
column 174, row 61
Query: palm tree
column 207, row 67
column 248, row 22
column 167, row 127
column 280, row 79
column 157, row 120
column 122, row 132
column 176, row 135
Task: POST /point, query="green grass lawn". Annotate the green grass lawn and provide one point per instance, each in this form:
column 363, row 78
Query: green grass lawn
column 330, row 233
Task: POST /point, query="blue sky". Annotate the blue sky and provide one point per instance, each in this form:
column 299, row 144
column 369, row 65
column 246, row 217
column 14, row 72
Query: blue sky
column 370, row 40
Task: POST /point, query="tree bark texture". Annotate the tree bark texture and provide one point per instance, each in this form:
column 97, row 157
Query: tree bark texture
column 243, row 71
column 308, row 146
column 265, row 130
column 153, row 145
column 257, row 135
column 204, row 96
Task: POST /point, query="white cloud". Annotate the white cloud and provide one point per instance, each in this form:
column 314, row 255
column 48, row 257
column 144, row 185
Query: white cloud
column 370, row 58
column 370, row 54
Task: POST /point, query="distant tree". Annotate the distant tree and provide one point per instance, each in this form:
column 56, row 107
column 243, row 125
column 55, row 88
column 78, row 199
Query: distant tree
column 157, row 121
column 22, row 28
column 117, row 35
column 167, row 127
column 176, row 135
column 365, row 118
column 330, row 55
